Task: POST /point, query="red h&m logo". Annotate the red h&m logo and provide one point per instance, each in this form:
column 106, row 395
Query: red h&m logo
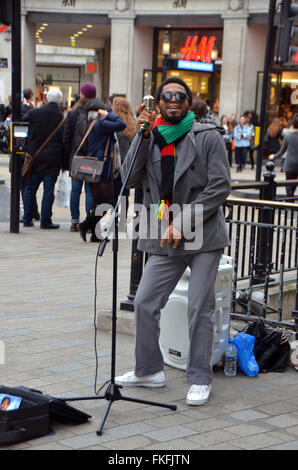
column 201, row 52
column 91, row 67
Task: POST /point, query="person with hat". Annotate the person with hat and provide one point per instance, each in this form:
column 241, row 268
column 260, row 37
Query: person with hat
column 74, row 130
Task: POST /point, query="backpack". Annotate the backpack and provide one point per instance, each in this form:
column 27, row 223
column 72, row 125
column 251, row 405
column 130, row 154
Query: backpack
column 271, row 348
column 34, row 416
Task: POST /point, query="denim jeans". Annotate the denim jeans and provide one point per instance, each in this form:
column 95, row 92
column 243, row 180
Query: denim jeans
column 76, row 189
column 47, row 199
column 241, row 156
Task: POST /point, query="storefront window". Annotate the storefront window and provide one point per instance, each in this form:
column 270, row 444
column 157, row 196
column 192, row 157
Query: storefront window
column 66, row 79
column 283, row 95
column 200, row 46
column 180, row 38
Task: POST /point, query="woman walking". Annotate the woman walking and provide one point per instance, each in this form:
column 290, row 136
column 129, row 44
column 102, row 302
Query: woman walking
column 121, row 108
column 73, row 134
column 290, row 145
column 103, row 192
column 242, row 134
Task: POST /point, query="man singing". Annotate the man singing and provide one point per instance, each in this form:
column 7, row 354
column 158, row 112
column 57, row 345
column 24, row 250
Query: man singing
column 180, row 162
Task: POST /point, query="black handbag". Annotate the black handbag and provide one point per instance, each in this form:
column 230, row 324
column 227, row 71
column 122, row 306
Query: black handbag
column 35, row 415
column 88, row 168
column 271, row 348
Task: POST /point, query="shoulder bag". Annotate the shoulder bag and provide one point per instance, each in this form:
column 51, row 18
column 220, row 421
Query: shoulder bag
column 88, row 168
column 29, row 159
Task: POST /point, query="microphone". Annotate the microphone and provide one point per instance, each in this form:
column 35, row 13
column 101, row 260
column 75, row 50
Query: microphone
column 148, row 100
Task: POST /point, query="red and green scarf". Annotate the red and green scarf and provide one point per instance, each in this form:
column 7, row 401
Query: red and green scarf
column 167, row 136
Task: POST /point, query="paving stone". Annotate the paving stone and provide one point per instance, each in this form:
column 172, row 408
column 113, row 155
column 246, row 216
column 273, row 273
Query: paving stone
column 293, row 445
column 135, row 442
column 283, row 421
column 85, row 441
column 260, row 441
column 128, row 430
column 212, row 437
column 167, row 434
column 248, row 415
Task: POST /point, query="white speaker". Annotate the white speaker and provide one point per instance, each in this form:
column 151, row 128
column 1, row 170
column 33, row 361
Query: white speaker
column 174, row 339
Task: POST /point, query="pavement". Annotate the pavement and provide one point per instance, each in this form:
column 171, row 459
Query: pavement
column 47, row 332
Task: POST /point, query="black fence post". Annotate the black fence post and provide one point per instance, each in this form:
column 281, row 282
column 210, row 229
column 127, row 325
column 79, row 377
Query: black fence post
column 265, row 235
column 295, row 311
column 16, row 164
column 137, row 261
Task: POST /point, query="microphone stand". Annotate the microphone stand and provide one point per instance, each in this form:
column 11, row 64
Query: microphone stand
column 113, row 391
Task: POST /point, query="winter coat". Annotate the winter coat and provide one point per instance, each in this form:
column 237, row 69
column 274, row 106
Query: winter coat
column 74, row 130
column 202, row 180
column 42, row 121
column 242, row 136
column 290, row 145
column 98, row 137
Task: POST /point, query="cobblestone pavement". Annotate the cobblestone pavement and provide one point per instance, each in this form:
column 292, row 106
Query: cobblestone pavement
column 47, row 330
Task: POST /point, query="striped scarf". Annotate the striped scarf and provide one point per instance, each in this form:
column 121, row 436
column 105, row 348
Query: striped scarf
column 167, row 136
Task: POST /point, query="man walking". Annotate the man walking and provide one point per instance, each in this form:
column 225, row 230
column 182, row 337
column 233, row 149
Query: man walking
column 180, row 162
column 48, row 163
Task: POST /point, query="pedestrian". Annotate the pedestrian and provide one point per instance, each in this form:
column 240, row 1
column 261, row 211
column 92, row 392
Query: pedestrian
column 248, row 116
column 74, row 130
column 122, row 108
column 180, row 162
column 203, row 114
column 242, row 135
column 26, row 106
column 28, row 102
column 228, row 136
column 107, row 123
column 290, row 147
column 48, row 163
column 273, row 137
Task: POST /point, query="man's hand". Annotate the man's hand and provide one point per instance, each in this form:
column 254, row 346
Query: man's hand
column 145, row 117
column 271, row 157
column 172, row 237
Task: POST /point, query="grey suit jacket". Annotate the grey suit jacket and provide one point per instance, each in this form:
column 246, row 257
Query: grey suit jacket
column 202, row 182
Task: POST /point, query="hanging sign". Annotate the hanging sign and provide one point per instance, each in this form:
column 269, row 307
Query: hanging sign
column 91, row 67
column 194, row 51
column 198, row 66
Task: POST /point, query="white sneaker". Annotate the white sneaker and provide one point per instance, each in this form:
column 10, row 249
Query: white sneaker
column 129, row 379
column 198, row 395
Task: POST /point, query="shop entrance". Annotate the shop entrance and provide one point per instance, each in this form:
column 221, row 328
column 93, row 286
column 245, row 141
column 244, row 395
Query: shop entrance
column 206, row 84
column 283, row 95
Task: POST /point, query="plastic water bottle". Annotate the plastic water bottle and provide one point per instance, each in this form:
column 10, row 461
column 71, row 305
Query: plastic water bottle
column 231, row 360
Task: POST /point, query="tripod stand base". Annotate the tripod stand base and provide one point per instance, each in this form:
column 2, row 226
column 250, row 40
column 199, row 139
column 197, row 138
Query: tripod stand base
column 113, row 394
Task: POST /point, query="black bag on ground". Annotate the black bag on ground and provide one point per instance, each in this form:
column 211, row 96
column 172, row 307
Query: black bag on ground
column 271, row 348
column 35, row 415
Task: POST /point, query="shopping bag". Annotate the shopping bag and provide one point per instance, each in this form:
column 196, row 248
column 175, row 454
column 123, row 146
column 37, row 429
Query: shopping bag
column 62, row 192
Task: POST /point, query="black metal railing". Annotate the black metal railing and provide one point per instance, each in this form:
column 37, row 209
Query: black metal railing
column 264, row 256
column 264, row 245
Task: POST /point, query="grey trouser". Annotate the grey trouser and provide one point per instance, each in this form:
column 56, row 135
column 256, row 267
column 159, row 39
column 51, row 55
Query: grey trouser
column 159, row 279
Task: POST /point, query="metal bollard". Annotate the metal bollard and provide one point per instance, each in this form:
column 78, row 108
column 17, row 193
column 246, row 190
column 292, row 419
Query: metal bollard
column 136, row 264
column 263, row 265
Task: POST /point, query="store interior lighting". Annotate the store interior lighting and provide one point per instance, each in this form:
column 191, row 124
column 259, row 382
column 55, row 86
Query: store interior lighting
column 78, row 34
column 39, row 31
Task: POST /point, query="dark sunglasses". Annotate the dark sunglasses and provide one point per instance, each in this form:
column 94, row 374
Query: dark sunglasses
column 167, row 96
